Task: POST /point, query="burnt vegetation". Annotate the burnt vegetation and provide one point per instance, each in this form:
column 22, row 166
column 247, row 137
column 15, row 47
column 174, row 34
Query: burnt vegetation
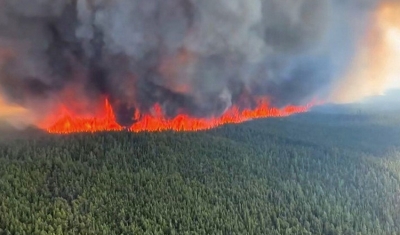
column 307, row 174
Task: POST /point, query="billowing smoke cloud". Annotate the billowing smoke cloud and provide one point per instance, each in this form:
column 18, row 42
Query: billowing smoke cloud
column 195, row 56
column 375, row 67
column 16, row 115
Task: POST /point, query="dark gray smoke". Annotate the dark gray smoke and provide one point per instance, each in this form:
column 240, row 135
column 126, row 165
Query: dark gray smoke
column 199, row 56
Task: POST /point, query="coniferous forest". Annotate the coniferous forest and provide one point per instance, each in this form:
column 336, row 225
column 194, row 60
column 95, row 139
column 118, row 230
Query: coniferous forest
column 307, row 174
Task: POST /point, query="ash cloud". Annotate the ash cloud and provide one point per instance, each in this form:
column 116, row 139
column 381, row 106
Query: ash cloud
column 375, row 68
column 199, row 57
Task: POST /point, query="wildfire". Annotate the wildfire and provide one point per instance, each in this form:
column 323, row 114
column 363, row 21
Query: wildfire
column 70, row 123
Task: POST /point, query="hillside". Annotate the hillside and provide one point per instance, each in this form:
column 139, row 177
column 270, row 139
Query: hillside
column 308, row 174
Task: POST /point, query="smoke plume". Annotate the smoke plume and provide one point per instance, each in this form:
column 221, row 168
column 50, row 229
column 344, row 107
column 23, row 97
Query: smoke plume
column 191, row 56
column 375, row 67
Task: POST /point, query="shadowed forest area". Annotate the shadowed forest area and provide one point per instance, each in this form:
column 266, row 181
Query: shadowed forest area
column 314, row 173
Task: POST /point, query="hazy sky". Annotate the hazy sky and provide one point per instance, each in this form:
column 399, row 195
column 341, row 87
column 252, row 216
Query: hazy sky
column 376, row 65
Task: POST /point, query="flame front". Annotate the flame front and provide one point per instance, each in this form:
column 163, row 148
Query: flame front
column 67, row 122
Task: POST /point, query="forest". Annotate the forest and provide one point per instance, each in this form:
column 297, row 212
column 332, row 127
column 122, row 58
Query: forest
column 313, row 173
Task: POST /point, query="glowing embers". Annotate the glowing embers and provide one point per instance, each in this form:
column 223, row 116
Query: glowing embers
column 72, row 123
column 69, row 123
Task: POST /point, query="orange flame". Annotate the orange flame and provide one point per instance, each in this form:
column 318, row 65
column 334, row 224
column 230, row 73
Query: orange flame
column 69, row 123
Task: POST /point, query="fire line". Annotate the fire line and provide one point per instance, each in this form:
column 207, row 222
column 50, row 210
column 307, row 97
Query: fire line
column 69, row 123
